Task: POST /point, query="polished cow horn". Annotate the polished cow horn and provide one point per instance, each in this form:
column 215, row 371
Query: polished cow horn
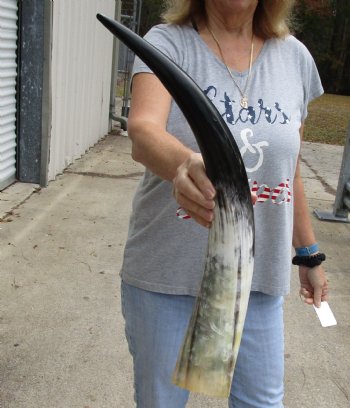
column 208, row 355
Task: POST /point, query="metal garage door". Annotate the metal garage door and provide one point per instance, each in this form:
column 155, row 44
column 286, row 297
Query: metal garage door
column 8, row 69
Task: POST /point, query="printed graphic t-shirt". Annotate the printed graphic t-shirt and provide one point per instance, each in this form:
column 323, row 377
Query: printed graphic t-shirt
column 165, row 254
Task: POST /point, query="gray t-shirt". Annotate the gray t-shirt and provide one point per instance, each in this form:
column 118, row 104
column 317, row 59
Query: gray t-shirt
column 165, row 254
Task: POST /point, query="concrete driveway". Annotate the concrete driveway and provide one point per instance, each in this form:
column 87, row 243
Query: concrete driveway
column 61, row 331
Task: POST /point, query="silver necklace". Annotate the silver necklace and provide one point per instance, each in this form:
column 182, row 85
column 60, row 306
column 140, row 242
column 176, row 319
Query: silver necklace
column 244, row 97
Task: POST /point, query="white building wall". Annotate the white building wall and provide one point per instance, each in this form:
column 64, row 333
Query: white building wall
column 81, row 77
column 8, row 74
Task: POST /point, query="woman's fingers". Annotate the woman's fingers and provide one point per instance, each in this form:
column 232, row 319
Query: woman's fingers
column 187, row 191
column 197, row 173
column 314, row 285
column 194, row 191
column 254, row 198
column 202, row 215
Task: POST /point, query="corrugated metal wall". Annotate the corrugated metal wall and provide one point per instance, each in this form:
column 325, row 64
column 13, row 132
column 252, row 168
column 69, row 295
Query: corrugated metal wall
column 81, row 75
column 8, row 73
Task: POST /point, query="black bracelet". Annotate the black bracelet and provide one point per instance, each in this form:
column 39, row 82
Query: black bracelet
column 310, row 261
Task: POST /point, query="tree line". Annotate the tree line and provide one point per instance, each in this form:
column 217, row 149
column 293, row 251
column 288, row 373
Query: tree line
column 322, row 25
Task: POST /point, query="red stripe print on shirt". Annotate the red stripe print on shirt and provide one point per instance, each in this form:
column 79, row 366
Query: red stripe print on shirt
column 281, row 194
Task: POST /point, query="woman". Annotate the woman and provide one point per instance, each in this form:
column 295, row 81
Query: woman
column 261, row 79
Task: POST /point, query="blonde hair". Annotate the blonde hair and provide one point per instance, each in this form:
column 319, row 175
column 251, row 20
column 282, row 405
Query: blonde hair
column 271, row 18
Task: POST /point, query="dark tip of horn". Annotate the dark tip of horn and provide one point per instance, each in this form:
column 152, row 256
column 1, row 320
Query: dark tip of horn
column 220, row 153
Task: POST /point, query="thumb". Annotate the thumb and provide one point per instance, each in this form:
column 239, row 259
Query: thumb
column 317, row 296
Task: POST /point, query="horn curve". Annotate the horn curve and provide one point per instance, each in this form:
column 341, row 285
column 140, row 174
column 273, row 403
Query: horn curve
column 208, row 355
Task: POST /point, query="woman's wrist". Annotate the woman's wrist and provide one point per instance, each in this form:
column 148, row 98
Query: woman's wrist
column 310, row 260
column 309, row 256
column 307, row 250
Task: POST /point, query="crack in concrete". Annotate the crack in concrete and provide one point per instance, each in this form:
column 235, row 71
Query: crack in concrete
column 328, row 188
column 104, row 175
column 15, row 207
column 304, row 378
column 341, row 388
column 9, row 213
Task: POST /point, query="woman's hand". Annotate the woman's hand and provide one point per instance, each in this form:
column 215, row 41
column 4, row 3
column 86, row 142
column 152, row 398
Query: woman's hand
column 313, row 284
column 194, row 191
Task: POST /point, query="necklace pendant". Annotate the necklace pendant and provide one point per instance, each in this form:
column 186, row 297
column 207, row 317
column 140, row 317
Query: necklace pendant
column 244, row 102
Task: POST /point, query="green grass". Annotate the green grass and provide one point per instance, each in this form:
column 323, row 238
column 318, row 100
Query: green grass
column 328, row 120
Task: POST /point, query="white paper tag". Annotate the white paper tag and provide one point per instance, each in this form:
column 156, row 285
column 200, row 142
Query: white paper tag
column 325, row 315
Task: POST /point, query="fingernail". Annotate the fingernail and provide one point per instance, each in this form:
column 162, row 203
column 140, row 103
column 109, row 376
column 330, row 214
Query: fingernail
column 210, row 217
column 211, row 205
column 209, row 193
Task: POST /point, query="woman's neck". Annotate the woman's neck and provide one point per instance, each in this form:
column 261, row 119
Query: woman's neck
column 227, row 20
column 233, row 30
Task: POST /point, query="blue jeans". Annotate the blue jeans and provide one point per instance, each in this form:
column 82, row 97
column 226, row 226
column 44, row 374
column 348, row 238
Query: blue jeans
column 155, row 325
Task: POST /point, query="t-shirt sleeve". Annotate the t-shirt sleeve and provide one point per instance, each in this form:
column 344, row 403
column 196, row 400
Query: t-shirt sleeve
column 312, row 82
column 167, row 39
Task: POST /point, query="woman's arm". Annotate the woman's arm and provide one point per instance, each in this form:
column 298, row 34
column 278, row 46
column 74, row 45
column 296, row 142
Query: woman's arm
column 162, row 153
column 313, row 281
column 152, row 146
